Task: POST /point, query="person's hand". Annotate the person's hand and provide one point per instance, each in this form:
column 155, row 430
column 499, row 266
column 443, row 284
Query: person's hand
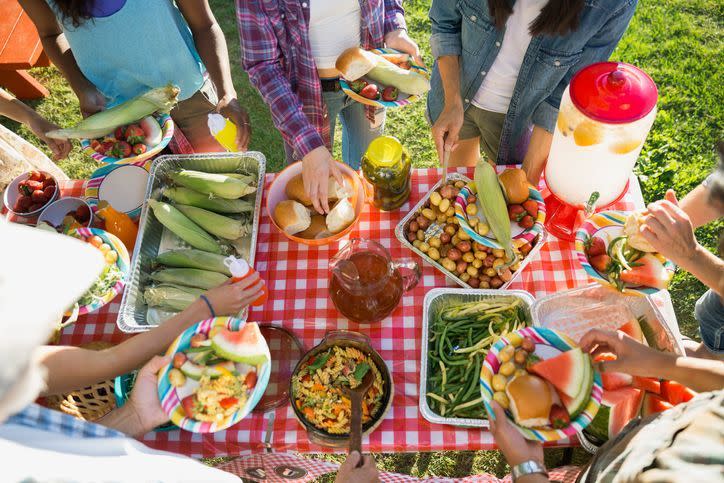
column 230, row 298
column 632, row 357
column 59, row 147
column 317, row 166
column 91, row 101
column 229, row 107
column 144, row 404
column 446, row 129
column 514, row 446
column 364, row 474
column 399, row 40
column 668, row 228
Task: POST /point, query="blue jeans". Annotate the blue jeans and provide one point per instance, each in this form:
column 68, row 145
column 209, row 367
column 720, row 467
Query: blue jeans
column 709, row 312
column 357, row 130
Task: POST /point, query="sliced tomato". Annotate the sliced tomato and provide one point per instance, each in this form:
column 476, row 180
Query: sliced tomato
column 676, row 393
column 648, row 384
column 188, row 404
column 228, row 402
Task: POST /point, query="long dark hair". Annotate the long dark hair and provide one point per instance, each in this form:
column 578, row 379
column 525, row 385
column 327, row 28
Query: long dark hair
column 558, row 17
column 75, row 11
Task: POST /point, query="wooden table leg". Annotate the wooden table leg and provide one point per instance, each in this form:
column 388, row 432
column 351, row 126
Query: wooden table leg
column 22, row 84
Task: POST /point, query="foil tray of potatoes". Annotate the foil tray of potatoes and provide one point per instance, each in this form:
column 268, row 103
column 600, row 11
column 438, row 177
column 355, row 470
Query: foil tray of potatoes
column 435, row 229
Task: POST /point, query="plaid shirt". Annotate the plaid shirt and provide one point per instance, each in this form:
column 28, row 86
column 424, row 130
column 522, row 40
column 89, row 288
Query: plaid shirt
column 38, row 417
column 276, row 53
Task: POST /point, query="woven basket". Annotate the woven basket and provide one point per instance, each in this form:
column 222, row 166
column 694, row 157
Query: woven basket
column 90, row 403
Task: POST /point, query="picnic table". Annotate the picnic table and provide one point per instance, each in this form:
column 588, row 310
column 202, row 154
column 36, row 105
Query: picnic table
column 297, row 278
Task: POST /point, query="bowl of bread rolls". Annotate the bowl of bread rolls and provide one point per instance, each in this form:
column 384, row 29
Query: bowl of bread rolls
column 291, row 210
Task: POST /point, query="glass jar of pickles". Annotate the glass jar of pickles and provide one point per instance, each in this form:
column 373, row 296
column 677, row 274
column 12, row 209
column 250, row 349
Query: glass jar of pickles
column 386, row 165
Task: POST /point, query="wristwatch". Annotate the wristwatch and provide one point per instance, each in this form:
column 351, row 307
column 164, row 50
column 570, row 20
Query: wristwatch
column 529, row 467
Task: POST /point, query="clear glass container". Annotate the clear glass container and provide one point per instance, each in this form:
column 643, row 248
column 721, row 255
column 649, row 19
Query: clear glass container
column 386, row 165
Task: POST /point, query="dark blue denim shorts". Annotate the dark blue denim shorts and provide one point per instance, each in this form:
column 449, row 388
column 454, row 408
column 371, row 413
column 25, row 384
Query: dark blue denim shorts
column 710, row 314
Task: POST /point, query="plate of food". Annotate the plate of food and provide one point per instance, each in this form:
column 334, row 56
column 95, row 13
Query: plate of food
column 219, row 371
column 544, row 381
column 123, row 186
column 382, row 77
column 612, row 251
column 113, row 277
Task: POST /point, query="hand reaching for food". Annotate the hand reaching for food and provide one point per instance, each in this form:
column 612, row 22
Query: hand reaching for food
column 669, row 230
column 349, row 471
column 632, row 357
column 317, row 166
column 144, row 403
column 230, row 297
column 399, row 40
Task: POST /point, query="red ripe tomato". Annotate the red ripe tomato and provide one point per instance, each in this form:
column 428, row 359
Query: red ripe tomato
column 250, row 380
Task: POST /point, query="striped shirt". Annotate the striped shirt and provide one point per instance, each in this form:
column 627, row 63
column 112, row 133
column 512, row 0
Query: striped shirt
column 276, row 53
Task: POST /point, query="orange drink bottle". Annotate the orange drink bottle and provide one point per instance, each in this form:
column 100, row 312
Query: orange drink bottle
column 119, row 224
column 240, row 269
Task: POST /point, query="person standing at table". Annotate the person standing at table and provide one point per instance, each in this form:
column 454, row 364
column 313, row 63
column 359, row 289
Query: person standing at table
column 502, row 66
column 289, row 49
column 113, row 50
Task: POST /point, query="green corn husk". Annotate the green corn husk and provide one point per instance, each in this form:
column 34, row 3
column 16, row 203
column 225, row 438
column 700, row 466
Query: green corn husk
column 190, row 258
column 219, row 225
column 172, row 298
column 161, row 99
column 493, row 205
column 189, row 277
column 212, row 184
column 246, row 178
column 190, row 197
column 184, row 228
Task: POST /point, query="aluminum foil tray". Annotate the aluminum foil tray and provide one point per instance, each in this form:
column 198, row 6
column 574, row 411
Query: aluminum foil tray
column 134, row 315
column 435, row 229
column 435, row 300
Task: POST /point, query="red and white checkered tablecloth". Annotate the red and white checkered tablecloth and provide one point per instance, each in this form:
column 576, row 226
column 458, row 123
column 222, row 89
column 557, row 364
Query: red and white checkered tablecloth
column 297, row 278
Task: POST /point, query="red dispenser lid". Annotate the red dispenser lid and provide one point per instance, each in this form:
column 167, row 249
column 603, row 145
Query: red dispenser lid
column 613, row 92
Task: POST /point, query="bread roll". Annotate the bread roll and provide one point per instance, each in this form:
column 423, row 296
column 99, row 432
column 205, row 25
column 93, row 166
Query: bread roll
column 295, row 190
column 408, row 81
column 317, row 229
column 515, row 185
column 530, row 401
column 292, row 217
column 632, row 229
column 354, row 63
column 341, row 216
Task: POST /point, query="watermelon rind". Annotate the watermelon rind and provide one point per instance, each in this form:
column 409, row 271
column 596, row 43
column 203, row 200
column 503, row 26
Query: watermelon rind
column 576, row 370
column 599, row 426
column 248, row 353
column 578, row 403
column 632, row 328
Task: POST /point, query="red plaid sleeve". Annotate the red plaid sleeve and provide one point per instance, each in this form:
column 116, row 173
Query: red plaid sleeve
column 394, row 16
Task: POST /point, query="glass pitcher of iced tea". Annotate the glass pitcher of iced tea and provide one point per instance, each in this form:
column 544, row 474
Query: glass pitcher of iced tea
column 366, row 284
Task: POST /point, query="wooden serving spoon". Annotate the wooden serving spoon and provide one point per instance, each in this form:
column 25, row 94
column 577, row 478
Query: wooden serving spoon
column 356, row 396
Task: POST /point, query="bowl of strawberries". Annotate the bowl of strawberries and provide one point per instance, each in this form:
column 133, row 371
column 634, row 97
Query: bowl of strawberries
column 133, row 142
column 30, row 193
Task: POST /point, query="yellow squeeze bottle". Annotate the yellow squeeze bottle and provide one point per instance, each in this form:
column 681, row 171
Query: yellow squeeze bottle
column 223, row 130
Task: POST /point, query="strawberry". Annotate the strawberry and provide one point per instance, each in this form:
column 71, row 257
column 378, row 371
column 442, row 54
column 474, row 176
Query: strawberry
column 49, row 191
column 595, row 246
column 106, row 147
column 118, row 133
column 35, row 206
column 24, row 189
column 38, row 197
column 516, row 212
column 134, row 134
column 48, row 182
column 120, row 150
column 358, row 85
column 370, row 91
column 600, row 262
column 390, row 94
column 559, row 417
column 526, row 222
column 24, row 202
column 35, row 175
column 139, row 148
column 96, row 145
column 82, row 213
column 531, row 206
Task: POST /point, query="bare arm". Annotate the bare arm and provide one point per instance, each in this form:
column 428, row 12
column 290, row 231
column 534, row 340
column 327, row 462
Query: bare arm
column 537, row 154
column 446, row 129
column 697, row 206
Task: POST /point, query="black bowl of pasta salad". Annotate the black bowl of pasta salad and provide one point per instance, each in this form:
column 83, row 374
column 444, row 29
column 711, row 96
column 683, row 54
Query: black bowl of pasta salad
column 317, row 387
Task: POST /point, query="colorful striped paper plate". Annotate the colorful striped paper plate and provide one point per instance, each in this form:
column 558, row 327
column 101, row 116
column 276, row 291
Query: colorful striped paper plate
column 170, row 398
column 167, row 128
column 608, row 225
column 562, row 343
column 132, row 177
column 123, row 263
column 520, row 235
column 402, row 100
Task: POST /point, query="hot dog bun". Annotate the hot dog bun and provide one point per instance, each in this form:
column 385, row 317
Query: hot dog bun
column 354, row 63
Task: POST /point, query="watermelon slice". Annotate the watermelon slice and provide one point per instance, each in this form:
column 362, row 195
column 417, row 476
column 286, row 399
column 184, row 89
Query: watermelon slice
column 246, row 345
column 632, row 328
column 615, row 380
column 618, row 407
column 653, row 404
column 648, row 272
column 648, row 384
column 676, row 393
column 571, row 373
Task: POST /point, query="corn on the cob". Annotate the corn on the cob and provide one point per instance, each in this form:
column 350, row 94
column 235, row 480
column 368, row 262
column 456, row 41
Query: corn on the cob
column 189, row 277
column 219, row 225
column 161, row 99
column 187, row 196
column 493, row 204
column 246, row 178
column 190, row 258
column 212, row 184
column 184, row 228
column 170, row 297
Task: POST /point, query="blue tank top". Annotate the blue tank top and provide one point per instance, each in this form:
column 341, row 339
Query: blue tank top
column 145, row 44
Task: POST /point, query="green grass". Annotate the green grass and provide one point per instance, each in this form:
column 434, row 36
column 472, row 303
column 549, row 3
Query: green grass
column 678, row 42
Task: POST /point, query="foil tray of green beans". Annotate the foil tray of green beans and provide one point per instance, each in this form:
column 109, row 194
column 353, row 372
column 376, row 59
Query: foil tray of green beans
column 459, row 326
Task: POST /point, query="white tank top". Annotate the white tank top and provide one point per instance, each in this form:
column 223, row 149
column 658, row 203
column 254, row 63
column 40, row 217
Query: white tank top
column 498, row 85
column 334, row 26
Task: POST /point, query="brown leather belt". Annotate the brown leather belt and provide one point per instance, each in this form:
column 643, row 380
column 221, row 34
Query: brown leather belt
column 330, row 85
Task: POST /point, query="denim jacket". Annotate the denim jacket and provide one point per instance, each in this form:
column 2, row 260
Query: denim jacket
column 466, row 29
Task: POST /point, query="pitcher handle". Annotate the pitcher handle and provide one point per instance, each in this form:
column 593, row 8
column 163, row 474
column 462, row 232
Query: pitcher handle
column 412, row 277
